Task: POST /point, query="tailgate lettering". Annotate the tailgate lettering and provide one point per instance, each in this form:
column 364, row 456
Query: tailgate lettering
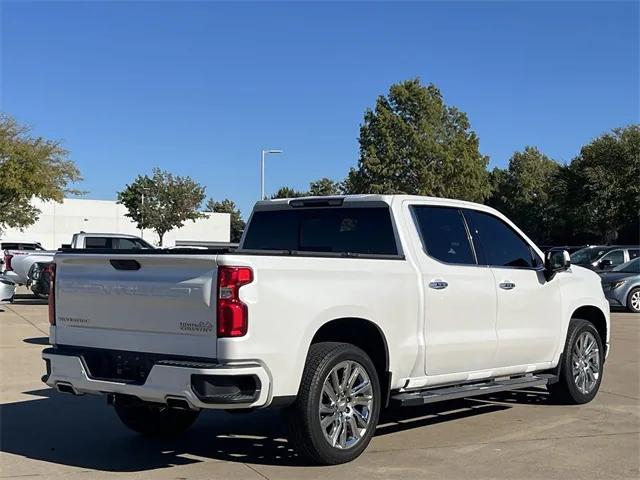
column 70, row 286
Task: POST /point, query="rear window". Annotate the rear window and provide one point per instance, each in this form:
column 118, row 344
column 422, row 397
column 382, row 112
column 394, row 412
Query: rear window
column 331, row 230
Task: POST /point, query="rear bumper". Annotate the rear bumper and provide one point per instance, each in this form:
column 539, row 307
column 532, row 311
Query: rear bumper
column 202, row 386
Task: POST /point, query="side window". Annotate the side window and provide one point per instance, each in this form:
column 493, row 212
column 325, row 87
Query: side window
column 616, row 257
column 97, row 242
column 125, row 244
column 444, row 235
column 500, row 244
column 634, row 253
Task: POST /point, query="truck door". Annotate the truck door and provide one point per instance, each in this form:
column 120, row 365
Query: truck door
column 529, row 307
column 459, row 295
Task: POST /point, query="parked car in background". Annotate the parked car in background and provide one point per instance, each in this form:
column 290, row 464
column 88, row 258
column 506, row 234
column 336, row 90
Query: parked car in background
column 117, row 241
column 568, row 248
column 621, row 285
column 38, row 279
column 7, row 290
column 20, row 245
column 18, row 263
column 604, row 257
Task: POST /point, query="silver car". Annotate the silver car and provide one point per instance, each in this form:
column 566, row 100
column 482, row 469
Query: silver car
column 621, row 285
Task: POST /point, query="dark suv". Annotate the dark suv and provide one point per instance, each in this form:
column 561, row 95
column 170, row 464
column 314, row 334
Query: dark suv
column 604, row 257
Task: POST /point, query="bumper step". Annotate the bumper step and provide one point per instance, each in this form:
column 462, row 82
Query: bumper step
column 432, row 395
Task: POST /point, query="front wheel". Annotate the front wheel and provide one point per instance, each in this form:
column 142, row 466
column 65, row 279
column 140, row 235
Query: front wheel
column 582, row 363
column 154, row 419
column 338, row 403
column 633, row 300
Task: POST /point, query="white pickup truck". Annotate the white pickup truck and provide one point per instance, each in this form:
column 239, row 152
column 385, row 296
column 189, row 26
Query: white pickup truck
column 333, row 307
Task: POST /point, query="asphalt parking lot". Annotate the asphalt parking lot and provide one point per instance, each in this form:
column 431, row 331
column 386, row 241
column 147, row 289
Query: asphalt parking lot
column 513, row 435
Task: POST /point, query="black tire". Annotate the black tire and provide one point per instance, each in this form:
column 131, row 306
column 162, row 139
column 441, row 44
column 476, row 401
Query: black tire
column 154, row 419
column 303, row 418
column 41, row 296
column 634, row 291
column 566, row 391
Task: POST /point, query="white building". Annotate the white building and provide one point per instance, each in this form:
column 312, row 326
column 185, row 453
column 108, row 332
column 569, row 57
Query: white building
column 59, row 221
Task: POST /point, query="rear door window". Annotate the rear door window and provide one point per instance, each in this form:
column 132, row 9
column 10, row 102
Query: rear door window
column 500, row 245
column 444, row 234
column 125, row 244
column 634, row 253
column 97, row 242
column 362, row 230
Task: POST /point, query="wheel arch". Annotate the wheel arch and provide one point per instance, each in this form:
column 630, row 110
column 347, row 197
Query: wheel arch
column 365, row 335
column 596, row 316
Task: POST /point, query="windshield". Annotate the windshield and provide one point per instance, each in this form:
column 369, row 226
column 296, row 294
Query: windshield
column 587, row 255
column 632, row 266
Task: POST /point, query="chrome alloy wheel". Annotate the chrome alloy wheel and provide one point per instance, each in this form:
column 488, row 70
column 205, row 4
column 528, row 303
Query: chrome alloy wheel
column 635, row 300
column 585, row 362
column 346, row 404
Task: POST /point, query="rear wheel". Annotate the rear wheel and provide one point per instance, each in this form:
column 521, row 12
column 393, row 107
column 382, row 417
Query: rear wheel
column 154, row 419
column 337, row 407
column 633, row 300
column 582, row 362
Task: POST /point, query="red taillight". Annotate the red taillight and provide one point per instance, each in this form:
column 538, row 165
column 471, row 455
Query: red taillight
column 233, row 317
column 7, row 262
column 51, row 268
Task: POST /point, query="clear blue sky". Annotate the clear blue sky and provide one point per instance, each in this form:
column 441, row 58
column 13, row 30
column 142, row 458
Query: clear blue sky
column 199, row 88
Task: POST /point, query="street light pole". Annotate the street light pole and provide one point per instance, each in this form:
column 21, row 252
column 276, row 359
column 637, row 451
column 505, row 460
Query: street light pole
column 142, row 213
column 264, row 153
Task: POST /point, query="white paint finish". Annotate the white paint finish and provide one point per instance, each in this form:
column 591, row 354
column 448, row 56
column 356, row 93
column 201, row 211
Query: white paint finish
column 59, row 221
column 529, row 317
column 459, row 320
column 291, row 297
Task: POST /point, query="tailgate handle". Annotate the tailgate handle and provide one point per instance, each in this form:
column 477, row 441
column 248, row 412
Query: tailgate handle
column 125, row 264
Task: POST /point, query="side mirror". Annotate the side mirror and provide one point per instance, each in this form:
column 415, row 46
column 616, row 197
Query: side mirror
column 605, row 264
column 555, row 261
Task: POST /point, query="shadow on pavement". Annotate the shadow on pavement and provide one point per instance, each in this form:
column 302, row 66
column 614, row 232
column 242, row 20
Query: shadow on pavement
column 28, row 299
column 85, row 432
column 37, row 341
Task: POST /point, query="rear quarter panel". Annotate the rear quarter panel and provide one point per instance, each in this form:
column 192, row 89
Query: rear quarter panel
column 292, row 297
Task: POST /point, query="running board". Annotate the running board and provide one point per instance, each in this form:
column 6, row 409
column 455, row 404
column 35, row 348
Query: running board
column 432, row 395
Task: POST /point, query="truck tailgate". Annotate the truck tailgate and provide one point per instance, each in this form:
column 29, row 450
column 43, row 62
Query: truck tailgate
column 144, row 303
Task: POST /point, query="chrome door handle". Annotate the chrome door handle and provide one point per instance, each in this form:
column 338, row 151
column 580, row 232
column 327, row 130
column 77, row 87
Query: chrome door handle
column 438, row 284
column 507, row 285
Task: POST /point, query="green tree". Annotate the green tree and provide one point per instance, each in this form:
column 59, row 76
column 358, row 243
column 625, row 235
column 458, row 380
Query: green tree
column 324, row 186
column 30, row 167
column 524, row 191
column 287, row 192
column 169, row 201
column 603, row 184
column 412, row 142
column 228, row 206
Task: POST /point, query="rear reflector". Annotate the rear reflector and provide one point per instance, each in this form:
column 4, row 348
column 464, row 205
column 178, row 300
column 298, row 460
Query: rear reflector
column 233, row 315
column 52, row 293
